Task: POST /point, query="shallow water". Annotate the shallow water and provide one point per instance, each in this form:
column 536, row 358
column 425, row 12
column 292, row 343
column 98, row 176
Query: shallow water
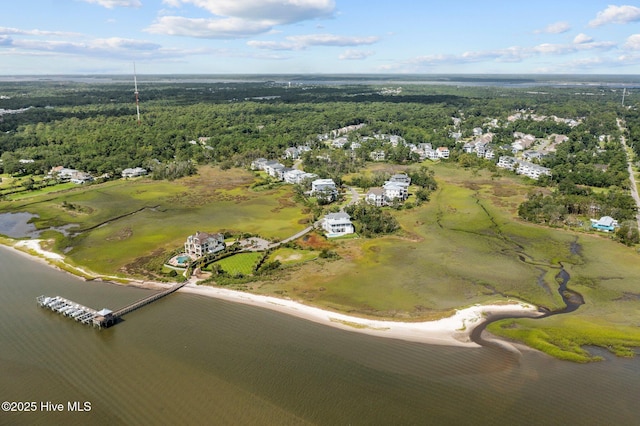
column 188, row 359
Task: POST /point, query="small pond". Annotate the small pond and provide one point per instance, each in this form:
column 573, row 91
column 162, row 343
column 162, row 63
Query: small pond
column 17, row 225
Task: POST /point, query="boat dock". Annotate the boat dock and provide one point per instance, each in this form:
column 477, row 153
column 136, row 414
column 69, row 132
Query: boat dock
column 103, row 318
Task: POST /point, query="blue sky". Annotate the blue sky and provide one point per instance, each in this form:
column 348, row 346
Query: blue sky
column 319, row 36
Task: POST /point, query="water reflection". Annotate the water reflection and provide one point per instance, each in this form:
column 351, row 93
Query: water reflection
column 20, row 225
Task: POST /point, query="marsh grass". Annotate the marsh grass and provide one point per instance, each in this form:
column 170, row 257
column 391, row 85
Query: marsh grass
column 129, row 221
column 465, row 246
column 567, row 337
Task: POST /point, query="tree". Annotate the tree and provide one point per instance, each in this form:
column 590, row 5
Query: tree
column 627, row 233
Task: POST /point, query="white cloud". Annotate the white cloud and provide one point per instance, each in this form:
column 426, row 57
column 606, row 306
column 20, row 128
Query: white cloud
column 277, row 12
column 239, row 18
column 555, row 28
column 352, row 54
column 107, row 48
column 301, row 42
column 274, row 45
column 511, row 54
column 16, row 31
column 207, row 28
column 331, row 40
column 110, row 4
column 616, row 15
column 582, row 38
column 633, row 42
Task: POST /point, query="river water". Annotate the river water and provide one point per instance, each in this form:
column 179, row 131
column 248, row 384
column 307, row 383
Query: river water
column 189, row 359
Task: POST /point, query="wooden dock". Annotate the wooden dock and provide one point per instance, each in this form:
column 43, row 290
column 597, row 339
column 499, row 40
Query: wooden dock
column 103, row 318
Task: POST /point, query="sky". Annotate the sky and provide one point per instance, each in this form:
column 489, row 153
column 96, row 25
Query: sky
column 40, row 37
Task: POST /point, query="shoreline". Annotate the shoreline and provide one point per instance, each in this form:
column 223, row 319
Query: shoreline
column 455, row 330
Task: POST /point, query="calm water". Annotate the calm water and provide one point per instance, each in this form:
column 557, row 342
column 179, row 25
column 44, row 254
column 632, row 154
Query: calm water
column 188, row 359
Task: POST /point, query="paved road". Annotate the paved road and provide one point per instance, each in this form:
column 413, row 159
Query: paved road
column 632, row 178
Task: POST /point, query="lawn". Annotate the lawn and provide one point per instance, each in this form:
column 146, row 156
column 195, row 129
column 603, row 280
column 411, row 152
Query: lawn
column 238, row 264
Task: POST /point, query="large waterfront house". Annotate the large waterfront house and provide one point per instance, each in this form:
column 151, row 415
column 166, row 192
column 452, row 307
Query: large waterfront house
column 202, row 243
column 337, row 224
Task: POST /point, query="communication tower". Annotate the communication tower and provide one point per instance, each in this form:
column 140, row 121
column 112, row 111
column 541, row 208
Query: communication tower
column 135, row 84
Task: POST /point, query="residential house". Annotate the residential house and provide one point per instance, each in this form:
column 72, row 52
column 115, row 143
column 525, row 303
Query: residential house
column 337, row 224
column 375, row 196
column 605, row 223
column 480, row 148
column 469, row 147
column 274, row 169
column 339, row 142
column 80, row 178
column 202, row 243
column 325, row 189
column 531, row 170
column 292, row 153
column 135, row 172
column 431, row 154
column 259, row 163
column 506, row 162
column 294, row 176
column 400, row 178
column 377, row 155
column 395, row 191
column 63, row 173
column 532, row 155
column 442, row 152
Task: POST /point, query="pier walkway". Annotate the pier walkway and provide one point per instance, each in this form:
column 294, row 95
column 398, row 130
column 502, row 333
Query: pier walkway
column 103, row 318
column 142, row 302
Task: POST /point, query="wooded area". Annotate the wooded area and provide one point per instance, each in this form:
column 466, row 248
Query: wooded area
column 93, row 128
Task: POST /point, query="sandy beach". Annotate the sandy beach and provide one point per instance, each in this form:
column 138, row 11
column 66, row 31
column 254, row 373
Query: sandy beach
column 451, row 331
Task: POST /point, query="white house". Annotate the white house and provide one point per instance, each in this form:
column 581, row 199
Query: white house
column 400, row 178
column 442, row 152
column 324, row 188
column 292, row 153
column 274, row 169
column 339, row 142
column 294, row 176
column 395, row 190
column 506, row 162
column 80, row 178
column 375, row 196
column 259, row 163
column 377, row 155
column 531, row 170
column 135, row 172
column 202, row 243
column 337, row 224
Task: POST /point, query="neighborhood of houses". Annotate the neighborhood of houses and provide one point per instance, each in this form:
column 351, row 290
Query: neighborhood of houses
column 526, row 150
column 79, row 177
